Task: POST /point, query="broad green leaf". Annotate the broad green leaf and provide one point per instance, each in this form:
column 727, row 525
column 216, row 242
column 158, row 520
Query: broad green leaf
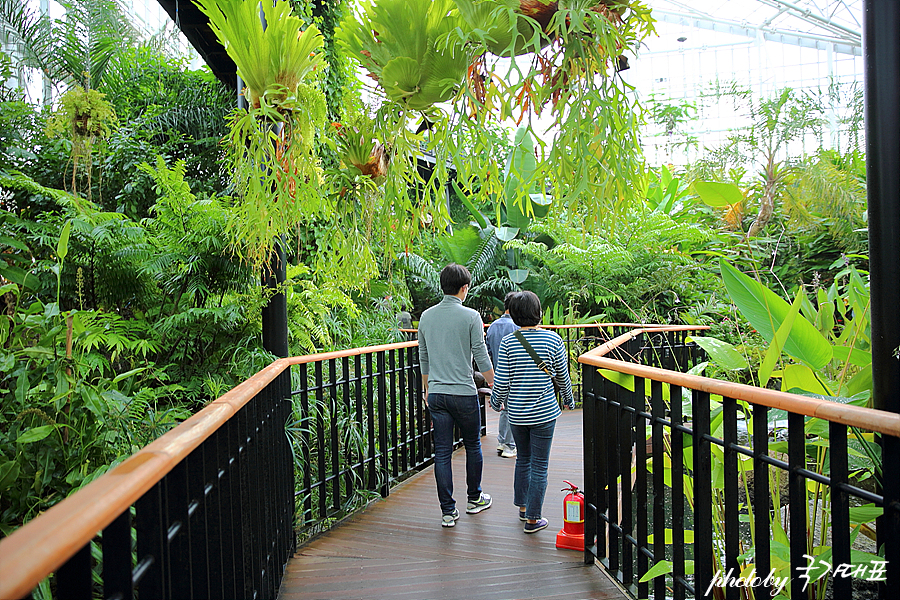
column 773, row 353
column 860, row 382
column 62, row 247
column 721, row 352
column 766, row 312
column 476, row 214
column 504, row 234
column 128, row 374
column 518, row 276
column 540, row 204
column 801, row 376
column 9, row 472
column 626, row 381
column 860, row 358
column 718, row 194
column 865, row 513
column 661, row 568
column 93, row 401
column 688, row 537
column 35, row 434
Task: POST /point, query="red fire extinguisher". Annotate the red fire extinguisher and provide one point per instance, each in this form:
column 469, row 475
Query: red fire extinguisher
column 571, row 536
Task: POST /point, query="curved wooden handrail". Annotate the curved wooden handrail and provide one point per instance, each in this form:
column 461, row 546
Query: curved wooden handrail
column 575, row 326
column 45, row 543
column 870, row 419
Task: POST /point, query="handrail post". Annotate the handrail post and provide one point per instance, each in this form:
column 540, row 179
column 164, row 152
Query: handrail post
column 881, row 51
column 383, row 424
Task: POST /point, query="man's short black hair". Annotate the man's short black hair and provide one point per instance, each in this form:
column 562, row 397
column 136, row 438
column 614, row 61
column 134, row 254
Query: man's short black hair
column 453, row 277
column 507, row 299
column 525, row 309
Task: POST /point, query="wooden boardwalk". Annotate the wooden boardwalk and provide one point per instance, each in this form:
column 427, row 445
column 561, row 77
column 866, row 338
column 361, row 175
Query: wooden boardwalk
column 397, row 549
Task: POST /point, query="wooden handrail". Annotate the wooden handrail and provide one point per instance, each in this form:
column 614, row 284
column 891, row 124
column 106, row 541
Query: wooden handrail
column 45, row 543
column 583, row 326
column 870, row 419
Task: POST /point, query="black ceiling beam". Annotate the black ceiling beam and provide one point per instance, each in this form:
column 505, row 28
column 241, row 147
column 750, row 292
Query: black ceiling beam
column 195, row 27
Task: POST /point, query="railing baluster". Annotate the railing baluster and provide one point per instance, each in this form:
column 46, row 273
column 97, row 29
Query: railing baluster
column 797, row 503
column 392, row 399
column 304, row 424
column 761, row 499
column 151, row 531
column 703, row 529
column 678, row 498
column 358, row 396
column 405, row 402
column 334, row 450
column 642, row 501
column 616, row 480
column 840, row 508
column 658, row 409
column 73, row 579
column 731, row 514
column 321, row 463
column 383, row 425
column 370, row 408
column 352, row 458
column 591, row 461
column 117, row 565
column 197, row 527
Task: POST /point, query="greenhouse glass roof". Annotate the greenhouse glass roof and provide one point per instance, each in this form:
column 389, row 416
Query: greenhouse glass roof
column 806, row 23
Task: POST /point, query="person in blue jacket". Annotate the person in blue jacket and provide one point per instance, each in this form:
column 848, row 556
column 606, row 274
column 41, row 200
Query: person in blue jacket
column 506, row 444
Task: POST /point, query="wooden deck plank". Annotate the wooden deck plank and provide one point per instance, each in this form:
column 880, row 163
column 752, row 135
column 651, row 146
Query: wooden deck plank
column 396, row 549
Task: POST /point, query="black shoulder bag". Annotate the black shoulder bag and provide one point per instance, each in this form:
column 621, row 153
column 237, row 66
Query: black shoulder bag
column 537, row 360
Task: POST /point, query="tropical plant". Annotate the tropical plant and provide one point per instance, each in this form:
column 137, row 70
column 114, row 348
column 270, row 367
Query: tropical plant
column 270, row 145
column 75, row 50
column 84, row 116
column 405, row 46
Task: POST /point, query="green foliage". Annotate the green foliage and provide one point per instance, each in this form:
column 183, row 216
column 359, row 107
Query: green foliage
column 404, row 45
column 641, row 274
column 273, row 60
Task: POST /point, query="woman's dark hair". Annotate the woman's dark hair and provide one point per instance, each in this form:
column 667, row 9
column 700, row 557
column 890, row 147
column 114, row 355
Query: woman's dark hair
column 525, row 309
column 453, row 277
column 507, row 298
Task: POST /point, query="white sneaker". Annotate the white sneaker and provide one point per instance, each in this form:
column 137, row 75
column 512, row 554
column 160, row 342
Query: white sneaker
column 508, row 452
column 500, row 448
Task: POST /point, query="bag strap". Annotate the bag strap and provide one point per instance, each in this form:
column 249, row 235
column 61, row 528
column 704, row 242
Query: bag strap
column 531, row 352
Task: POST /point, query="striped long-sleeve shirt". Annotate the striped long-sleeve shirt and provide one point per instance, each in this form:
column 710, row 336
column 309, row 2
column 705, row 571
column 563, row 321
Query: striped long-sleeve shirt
column 526, row 389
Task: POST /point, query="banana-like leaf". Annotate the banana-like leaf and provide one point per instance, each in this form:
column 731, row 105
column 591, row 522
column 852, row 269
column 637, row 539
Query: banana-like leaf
column 766, row 311
column 722, row 353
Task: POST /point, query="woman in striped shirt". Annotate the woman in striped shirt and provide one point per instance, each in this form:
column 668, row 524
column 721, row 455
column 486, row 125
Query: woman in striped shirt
column 528, row 393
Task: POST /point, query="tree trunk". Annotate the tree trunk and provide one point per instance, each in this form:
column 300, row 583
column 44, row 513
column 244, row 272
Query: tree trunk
column 767, row 202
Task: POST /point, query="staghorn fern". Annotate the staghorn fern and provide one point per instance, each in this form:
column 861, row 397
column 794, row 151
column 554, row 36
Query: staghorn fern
column 405, row 46
column 272, row 60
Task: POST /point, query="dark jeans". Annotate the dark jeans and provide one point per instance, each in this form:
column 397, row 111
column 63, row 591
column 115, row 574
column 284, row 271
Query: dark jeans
column 533, row 444
column 448, row 410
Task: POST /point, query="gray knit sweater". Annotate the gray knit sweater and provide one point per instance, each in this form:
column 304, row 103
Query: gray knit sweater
column 450, row 337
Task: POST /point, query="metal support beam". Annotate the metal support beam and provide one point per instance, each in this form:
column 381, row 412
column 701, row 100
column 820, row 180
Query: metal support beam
column 882, row 69
column 792, row 38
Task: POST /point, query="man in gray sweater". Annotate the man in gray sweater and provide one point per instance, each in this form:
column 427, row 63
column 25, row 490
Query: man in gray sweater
column 451, row 336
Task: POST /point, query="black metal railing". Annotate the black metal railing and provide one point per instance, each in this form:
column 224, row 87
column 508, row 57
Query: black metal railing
column 213, row 508
column 679, row 468
column 361, row 426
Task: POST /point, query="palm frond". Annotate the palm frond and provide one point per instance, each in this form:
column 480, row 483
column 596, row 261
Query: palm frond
column 421, row 271
column 486, row 258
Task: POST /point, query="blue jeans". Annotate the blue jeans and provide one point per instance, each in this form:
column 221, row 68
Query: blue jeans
column 448, row 410
column 504, row 435
column 533, row 443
